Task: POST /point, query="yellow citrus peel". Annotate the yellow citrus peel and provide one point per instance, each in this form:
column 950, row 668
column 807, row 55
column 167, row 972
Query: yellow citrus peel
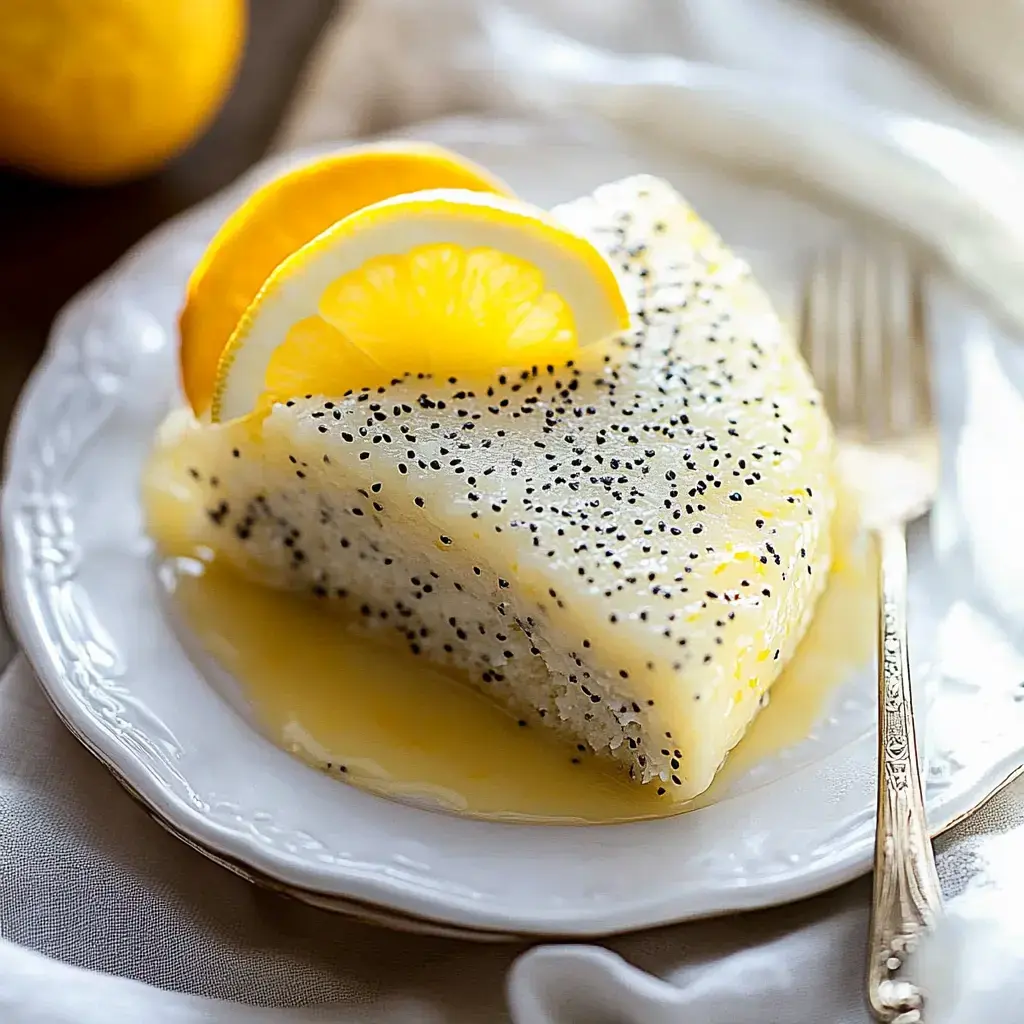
column 280, row 218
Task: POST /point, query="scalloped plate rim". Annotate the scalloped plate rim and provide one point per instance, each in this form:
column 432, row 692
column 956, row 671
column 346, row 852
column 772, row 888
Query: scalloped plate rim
column 371, row 883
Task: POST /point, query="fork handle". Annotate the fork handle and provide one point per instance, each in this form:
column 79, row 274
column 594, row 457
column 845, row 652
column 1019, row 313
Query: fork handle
column 907, row 896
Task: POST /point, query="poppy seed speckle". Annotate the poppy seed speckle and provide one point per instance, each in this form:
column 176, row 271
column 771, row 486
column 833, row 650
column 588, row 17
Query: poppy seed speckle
column 593, row 544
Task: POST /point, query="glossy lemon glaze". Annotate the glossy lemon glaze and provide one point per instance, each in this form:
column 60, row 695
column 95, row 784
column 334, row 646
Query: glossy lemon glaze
column 377, row 717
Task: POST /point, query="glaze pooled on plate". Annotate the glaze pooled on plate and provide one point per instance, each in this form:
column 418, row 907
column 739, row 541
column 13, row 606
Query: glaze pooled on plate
column 628, row 549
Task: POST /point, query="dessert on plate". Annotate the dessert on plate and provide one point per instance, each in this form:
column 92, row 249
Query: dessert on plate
column 571, row 456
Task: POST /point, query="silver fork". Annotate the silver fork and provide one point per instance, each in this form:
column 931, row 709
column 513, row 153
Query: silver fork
column 863, row 333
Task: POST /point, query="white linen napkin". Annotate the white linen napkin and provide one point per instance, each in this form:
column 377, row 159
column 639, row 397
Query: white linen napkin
column 106, row 918
column 811, row 98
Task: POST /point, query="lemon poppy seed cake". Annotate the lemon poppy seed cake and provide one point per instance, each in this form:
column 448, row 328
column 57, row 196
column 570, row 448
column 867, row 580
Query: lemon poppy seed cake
column 625, row 547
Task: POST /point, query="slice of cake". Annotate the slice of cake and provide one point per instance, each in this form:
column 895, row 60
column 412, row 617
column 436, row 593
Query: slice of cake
column 627, row 549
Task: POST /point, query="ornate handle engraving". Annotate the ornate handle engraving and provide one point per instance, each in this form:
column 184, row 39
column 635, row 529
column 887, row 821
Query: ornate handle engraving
column 907, row 897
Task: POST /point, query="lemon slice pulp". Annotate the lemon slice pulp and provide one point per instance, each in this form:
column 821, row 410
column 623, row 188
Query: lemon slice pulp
column 446, row 282
column 284, row 215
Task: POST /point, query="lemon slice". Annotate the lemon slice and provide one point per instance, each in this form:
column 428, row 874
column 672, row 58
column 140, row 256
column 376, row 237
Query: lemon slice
column 448, row 282
column 281, row 217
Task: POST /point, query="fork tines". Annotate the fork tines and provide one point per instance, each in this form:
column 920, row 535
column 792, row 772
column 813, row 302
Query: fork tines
column 863, row 335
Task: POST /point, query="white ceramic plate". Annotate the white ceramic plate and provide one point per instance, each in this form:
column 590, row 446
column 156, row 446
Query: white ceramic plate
column 83, row 599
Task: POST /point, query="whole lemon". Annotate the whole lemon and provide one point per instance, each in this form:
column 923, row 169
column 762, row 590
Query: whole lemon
column 98, row 90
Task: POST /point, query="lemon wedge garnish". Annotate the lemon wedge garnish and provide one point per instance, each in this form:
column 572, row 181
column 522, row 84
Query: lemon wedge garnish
column 284, row 215
column 447, row 282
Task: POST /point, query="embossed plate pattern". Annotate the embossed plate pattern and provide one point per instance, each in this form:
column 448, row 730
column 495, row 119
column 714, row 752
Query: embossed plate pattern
column 83, row 600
